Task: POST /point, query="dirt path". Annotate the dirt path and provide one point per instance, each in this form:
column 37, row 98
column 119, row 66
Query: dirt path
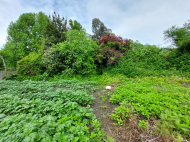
column 129, row 131
column 101, row 107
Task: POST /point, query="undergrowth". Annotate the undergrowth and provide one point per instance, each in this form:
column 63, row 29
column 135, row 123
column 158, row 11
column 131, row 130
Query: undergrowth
column 151, row 97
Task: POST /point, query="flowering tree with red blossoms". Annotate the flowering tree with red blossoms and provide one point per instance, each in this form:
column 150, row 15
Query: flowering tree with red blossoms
column 111, row 49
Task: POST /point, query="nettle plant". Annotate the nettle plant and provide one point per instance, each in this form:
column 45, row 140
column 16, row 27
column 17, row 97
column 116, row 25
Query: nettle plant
column 110, row 49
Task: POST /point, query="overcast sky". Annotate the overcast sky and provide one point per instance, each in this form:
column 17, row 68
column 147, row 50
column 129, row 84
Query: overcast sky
column 142, row 20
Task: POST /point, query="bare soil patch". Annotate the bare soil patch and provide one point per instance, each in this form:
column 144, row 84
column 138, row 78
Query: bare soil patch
column 100, row 108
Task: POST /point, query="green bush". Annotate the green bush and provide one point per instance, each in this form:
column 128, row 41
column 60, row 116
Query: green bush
column 149, row 60
column 180, row 61
column 141, row 60
column 75, row 55
column 30, row 65
column 184, row 45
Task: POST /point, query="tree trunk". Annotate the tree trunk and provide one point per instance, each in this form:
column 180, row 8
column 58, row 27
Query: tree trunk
column 4, row 65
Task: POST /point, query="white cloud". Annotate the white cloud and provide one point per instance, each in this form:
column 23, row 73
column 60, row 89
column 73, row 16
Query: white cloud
column 143, row 20
column 10, row 11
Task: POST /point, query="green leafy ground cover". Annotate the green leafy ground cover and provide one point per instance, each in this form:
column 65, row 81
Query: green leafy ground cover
column 153, row 97
column 38, row 111
column 164, row 98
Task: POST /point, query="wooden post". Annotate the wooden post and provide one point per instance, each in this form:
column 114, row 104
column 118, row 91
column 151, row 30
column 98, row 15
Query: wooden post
column 4, row 65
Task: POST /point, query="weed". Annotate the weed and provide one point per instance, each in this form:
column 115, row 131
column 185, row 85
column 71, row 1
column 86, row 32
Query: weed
column 102, row 97
column 93, row 89
column 103, row 107
column 143, row 124
column 120, row 113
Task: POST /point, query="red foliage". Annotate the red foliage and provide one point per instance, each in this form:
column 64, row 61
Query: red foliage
column 119, row 41
column 110, row 54
column 111, row 48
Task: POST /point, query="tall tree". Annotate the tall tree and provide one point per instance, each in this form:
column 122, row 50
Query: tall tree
column 174, row 34
column 75, row 25
column 179, row 36
column 25, row 35
column 99, row 29
column 55, row 30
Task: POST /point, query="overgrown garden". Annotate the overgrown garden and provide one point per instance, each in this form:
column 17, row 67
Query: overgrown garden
column 58, row 66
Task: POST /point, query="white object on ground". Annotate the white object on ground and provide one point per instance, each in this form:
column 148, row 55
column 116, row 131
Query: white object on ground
column 108, row 87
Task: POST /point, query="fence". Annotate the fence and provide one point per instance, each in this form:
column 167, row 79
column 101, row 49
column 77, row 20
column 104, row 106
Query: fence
column 3, row 74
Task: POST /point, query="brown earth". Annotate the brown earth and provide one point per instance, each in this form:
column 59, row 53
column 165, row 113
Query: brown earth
column 100, row 108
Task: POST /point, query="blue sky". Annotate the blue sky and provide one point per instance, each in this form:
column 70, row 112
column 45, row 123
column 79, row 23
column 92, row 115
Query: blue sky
column 142, row 20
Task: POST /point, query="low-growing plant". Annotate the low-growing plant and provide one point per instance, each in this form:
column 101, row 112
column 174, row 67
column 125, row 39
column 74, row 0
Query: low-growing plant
column 143, row 124
column 93, row 89
column 109, row 94
column 102, row 97
column 152, row 96
column 38, row 111
column 97, row 134
column 103, row 107
column 120, row 113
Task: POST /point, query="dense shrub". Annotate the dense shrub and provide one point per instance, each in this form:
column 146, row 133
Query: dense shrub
column 180, row 61
column 75, row 55
column 143, row 60
column 184, row 45
column 30, row 65
column 51, row 60
column 114, row 41
column 110, row 50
